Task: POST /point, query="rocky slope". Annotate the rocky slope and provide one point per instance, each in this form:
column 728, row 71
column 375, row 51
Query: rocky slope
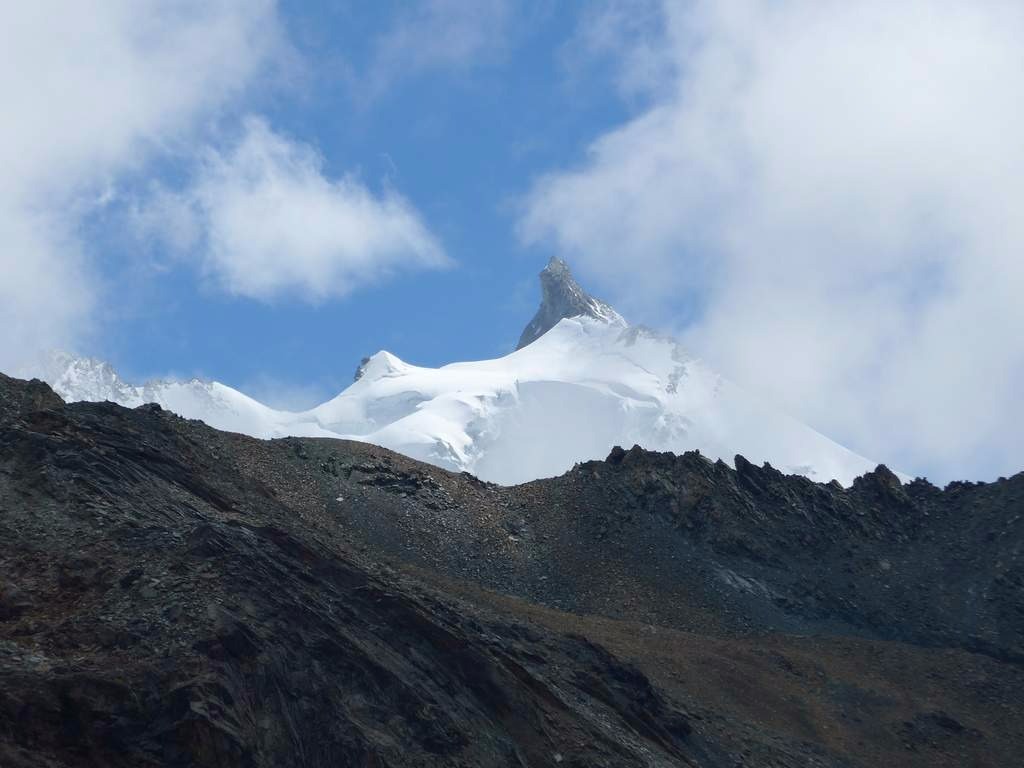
column 174, row 595
column 674, row 540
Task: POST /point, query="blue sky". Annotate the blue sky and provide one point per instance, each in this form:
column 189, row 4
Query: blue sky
column 820, row 198
column 461, row 141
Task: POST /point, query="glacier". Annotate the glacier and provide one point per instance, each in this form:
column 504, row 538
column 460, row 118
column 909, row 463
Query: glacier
column 569, row 396
column 581, row 381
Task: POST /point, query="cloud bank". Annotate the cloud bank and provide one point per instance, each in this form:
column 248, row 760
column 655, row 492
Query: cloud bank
column 99, row 96
column 91, row 91
column 829, row 192
column 264, row 222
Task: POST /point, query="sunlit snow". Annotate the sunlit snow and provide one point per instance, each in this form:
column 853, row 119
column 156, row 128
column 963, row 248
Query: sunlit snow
column 581, row 388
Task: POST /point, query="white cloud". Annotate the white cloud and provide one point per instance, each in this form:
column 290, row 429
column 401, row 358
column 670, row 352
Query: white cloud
column 434, row 35
column 90, row 90
column 629, row 32
column 265, row 222
column 836, row 186
column 45, row 290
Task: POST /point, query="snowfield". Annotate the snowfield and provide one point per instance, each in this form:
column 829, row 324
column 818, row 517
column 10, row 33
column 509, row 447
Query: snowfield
column 584, row 386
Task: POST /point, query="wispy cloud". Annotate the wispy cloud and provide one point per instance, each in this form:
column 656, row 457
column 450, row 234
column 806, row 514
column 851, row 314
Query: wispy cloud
column 91, row 91
column 834, row 188
column 264, row 222
column 434, row 35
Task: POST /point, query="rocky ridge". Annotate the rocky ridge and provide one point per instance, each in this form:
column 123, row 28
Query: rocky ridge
column 675, row 539
column 174, row 595
column 583, row 380
column 161, row 608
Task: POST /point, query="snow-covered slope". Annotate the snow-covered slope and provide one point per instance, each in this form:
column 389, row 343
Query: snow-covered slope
column 581, row 388
column 220, row 406
column 588, row 383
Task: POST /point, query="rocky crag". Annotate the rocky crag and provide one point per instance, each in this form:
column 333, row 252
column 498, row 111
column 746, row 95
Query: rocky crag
column 174, row 595
column 563, row 298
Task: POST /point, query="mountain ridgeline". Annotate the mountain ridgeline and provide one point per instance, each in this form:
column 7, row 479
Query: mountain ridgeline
column 580, row 381
column 174, row 595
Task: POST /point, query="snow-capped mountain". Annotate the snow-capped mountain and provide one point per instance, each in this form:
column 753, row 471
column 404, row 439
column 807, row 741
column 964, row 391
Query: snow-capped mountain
column 86, row 378
column 581, row 381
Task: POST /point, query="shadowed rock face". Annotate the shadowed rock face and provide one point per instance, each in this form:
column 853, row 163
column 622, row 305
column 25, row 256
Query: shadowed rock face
column 160, row 606
column 684, row 542
column 562, row 297
column 174, row 595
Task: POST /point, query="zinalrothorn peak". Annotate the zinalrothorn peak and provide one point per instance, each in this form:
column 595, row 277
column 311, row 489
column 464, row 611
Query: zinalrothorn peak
column 587, row 381
column 563, row 298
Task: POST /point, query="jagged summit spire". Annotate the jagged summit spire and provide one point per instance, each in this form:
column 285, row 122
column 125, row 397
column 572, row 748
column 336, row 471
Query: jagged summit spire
column 562, row 297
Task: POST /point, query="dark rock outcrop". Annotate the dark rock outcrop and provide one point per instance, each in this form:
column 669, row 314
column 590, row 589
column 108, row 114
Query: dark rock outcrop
column 758, row 549
column 562, row 297
column 360, row 369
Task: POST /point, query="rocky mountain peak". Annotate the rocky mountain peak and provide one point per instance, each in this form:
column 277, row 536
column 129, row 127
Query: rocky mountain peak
column 81, row 378
column 562, row 297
